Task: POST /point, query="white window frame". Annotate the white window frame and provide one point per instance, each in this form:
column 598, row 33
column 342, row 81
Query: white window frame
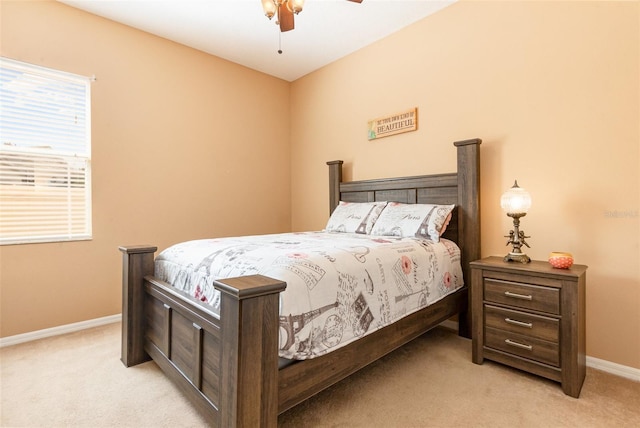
column 45, row 154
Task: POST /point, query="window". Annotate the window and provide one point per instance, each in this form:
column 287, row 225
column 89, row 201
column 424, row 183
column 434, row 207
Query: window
column 45, row 154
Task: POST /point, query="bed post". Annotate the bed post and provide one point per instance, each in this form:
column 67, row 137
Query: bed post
column 335, row 178
column 468, row 216
column 137, row 262
column 249, row 314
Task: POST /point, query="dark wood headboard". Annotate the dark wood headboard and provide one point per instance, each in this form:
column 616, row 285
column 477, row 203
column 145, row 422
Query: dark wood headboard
column 461, row 188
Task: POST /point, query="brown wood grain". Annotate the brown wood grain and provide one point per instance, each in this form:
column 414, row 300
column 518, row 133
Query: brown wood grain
column 556, row 311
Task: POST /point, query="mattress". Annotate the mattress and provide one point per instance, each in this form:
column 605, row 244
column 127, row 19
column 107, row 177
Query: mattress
column 340, row 286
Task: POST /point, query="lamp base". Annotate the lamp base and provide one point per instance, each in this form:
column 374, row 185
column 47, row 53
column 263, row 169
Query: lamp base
column 517, row 257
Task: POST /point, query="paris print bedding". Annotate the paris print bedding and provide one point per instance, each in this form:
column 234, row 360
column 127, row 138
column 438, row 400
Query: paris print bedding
column 340, row 286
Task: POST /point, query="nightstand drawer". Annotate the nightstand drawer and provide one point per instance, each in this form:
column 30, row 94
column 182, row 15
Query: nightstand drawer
column 530, row 316
column 523, row 323
column 534, row 297
column 524, row 346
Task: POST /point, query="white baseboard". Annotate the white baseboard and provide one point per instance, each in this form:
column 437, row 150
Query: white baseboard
column 614, row 368
column 596, row 363
column 55, row 331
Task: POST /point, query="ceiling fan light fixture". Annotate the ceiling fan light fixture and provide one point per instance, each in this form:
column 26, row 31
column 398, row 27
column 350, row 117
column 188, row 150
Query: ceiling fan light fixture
column 270, row 7
column 284, row 10
column 295, row 6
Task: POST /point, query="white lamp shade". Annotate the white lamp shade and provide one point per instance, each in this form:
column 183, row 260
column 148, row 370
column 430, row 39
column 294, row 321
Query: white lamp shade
column 295, row 6
column 516, row 200
column 269, row 7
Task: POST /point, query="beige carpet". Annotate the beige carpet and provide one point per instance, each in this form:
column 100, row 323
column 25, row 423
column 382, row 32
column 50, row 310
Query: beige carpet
column 77, row 380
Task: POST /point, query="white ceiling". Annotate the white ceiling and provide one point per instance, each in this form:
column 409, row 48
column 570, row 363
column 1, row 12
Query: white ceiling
column 238, row 31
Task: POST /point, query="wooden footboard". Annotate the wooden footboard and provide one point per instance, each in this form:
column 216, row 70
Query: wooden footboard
column 228, row 365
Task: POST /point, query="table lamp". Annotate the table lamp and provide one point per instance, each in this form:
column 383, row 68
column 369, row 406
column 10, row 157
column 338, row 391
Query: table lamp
column 516, row 202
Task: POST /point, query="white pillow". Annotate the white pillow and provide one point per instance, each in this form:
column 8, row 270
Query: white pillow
column 354, row 217
column 405, row 220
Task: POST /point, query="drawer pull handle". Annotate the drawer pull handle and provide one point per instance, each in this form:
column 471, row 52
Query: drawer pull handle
column 519, row 323
column 518, row 296
column 518, row 345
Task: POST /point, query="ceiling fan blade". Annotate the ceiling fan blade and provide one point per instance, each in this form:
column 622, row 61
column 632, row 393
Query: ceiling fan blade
column 285, row 17
column 356, row 1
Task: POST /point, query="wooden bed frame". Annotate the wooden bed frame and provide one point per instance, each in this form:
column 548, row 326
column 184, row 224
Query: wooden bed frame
column 227, row 366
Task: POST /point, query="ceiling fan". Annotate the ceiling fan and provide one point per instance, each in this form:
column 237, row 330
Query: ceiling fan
column 284, row 10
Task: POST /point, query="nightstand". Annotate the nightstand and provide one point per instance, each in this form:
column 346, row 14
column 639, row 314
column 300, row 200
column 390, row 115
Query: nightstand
column 532, row 317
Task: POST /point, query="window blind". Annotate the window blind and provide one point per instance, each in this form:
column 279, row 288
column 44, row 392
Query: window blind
column 45, row 154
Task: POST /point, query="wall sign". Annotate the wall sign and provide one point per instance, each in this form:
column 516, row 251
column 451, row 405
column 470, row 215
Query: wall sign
column 394, row 124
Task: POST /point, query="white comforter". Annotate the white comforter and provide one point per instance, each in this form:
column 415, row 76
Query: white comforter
column 339, row 286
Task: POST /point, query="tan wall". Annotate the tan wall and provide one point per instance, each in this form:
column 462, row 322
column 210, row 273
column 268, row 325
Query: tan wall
column 173, row 129
column 551, row 87
column 553, row 90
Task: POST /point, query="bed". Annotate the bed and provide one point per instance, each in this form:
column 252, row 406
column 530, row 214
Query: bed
column 227, row 363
